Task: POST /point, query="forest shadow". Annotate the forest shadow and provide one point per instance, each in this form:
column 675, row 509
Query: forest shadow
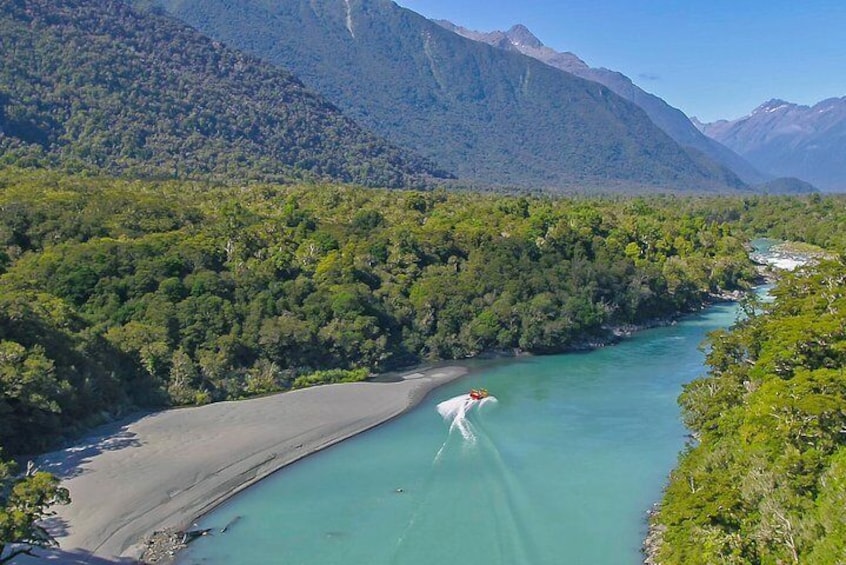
column 56, row 526
column 68, row 462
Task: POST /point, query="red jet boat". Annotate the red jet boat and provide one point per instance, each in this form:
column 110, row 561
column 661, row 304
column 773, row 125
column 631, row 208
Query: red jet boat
column 479, row 393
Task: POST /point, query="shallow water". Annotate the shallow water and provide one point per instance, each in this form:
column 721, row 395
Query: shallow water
column 559, row 467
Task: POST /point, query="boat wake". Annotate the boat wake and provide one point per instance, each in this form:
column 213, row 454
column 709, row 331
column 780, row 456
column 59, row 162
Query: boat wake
column 468, row 467
column 455, row 411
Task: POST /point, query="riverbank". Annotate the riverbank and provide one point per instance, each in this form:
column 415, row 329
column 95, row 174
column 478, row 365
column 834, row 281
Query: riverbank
column 165, row 469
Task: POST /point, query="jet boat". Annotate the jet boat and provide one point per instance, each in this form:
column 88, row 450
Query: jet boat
column 478, row 393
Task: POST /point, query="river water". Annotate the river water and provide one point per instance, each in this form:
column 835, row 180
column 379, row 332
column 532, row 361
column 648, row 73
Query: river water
column 560, row 466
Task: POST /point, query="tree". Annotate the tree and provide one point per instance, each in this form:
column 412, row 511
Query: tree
column 29, row 392
column 25, row 501
column 183, row 373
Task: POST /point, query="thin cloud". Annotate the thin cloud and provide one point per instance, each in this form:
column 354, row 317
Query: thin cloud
column 649, row 76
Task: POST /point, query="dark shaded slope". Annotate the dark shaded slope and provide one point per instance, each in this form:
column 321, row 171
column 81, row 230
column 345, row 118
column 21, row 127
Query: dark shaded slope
column 786, row 185
column 98, row 85
column 491, row 116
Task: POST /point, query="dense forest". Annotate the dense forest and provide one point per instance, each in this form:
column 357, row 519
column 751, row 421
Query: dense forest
column 99, row 87
column 764, row 477
column 765, row 480
column 117, row 294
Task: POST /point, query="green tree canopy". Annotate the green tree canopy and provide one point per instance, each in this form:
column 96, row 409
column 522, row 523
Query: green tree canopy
column 25, row 502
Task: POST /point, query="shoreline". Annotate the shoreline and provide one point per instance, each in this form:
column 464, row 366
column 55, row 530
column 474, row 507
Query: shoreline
column 164, row 470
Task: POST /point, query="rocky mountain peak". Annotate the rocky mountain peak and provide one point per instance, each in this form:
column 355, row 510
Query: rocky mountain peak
column 774, row 105
column 792, row 140
column 521, row 36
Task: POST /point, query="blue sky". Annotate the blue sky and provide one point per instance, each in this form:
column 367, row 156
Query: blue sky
column 711, row 58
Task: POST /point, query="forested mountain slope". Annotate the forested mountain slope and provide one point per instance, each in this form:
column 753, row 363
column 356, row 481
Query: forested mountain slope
column 493, row 117
column 96, row 85
column 786, row 185
column 116, row 294
column 671, row 120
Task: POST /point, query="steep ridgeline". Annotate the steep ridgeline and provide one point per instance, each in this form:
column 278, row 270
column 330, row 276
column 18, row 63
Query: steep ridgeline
column 671, row 120
column 491, row 116
column 791, row 140
column 100, row 86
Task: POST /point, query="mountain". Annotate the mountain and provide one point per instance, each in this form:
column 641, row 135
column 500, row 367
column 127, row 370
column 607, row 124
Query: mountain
column 491, row 116
column 786, row 185
column 791, row 140
column 98, row 85
column 672, row 120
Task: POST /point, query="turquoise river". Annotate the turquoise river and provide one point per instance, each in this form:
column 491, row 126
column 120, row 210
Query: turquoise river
column 560, row 467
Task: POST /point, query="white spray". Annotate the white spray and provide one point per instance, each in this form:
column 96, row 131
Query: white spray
column 454, row 411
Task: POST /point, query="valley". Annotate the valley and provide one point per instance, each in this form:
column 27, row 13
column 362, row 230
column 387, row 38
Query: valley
column 255, row 238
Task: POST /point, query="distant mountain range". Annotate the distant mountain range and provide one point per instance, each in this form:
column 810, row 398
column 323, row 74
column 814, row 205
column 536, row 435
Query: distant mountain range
column 96, row 85
column 492, row 116
column 788, row 139
column 672, row 120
